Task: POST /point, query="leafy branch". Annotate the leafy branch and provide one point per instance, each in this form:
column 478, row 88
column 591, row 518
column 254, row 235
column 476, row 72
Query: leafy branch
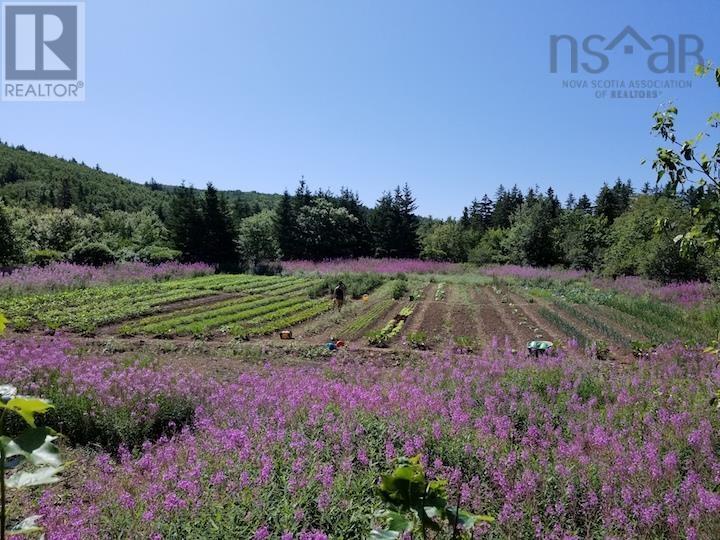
column 416, row 505
column 683, row 163
column 34, row 447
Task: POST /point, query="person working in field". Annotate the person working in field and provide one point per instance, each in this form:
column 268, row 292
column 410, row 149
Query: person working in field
column 339, row 296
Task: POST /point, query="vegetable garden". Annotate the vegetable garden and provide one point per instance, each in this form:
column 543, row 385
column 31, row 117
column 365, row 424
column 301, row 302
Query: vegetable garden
column 614, row 433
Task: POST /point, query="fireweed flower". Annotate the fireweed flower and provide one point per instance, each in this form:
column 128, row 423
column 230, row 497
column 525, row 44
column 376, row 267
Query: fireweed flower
column 285, row 446
column 62, row 275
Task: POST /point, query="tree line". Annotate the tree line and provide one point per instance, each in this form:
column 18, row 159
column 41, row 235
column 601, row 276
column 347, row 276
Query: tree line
column 304, row 225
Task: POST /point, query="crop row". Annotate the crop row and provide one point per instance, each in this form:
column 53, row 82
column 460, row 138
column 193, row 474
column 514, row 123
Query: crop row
column 165, row 321
column 650, row 317
column 201, row 326
column 608, row 331
column 654, row 318
column 653, row 333
column 393, row 328
column 86, row 317
column 221, row 282
column 85, row 309
column 383, row 300
column 655, row 313
column 440, row 292
column 282, row 319
column 565, row 326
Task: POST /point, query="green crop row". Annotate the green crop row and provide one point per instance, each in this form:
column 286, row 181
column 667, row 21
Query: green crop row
column 221, row 282
column 608, row 331
column 201, row 324
column 367, row 319
column 657, row 314
column 165, row 321
column 92, row 307
column 564, row 326
column 85, row 309
column 650, row 331
column 393, row 328
column 286, row 320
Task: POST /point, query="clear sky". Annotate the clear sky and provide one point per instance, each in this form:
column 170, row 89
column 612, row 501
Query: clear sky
column 452, row 97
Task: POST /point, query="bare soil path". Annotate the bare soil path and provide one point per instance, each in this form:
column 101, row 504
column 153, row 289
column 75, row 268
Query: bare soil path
column 498, row 319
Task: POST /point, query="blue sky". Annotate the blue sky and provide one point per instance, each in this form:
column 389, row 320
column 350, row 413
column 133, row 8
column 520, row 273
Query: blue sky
column 452, row 97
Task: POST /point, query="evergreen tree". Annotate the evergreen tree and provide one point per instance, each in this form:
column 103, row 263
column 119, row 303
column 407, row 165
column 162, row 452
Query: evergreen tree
column 362, row 235
column 506, row 204
column 185, row 224
column 408, row 241
column 611, row 203
column 475, row 216
column 286, row 227
column 465, row 218
column 553, row 203
column 570, row 202
column 486, row 212
column 501, row 213
column 219, row 231
column 303, row 197
column 584, row 204
column 384, row 222
column 530, row 198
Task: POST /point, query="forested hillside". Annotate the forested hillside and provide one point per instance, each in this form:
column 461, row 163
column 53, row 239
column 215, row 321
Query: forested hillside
column 34, row 180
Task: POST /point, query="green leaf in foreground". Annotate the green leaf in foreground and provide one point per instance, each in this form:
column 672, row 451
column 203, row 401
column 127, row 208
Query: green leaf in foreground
column 38, row 477
column 26, row 526
column 35, row 445
column 28, row 407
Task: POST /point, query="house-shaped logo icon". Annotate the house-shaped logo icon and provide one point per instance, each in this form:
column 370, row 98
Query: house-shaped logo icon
column 628, row 32
column 664, row 54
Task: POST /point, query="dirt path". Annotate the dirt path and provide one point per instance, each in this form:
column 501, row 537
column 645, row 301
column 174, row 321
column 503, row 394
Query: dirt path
column 434, row 323
column 537, row 327
column 503, row 318
column 415, row 320
column 490, row 319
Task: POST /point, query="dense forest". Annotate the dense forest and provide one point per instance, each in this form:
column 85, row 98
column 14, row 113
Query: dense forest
column 55, row 209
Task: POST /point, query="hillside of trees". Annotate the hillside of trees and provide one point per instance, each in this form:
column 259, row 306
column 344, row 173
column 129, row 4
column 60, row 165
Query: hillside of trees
column 53, row 209
column 34, row 180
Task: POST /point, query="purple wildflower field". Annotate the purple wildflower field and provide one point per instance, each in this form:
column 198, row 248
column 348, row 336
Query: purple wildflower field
column 688, row 293
column 562, row 446
column 379, row 266
column 65, row 275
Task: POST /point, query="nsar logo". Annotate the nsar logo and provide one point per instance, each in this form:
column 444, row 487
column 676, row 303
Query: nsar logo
column 665, row 54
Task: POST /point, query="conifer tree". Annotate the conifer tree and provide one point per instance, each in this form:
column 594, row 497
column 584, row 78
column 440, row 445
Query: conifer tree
column 286, row 227
column 185, row 224
column 219, row 231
